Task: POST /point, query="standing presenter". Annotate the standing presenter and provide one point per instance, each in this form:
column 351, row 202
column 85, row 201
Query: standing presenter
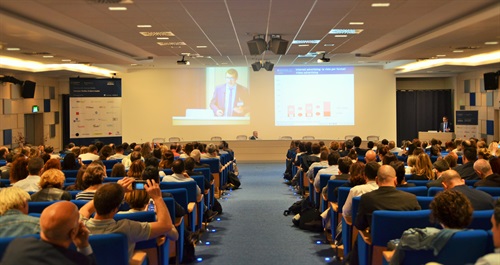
column 445, row 126
column 230, row 99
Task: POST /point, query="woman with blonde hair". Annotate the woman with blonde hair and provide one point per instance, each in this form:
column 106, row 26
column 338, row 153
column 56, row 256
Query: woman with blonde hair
column 423, row 168
column 51, row 184
column 493, row 149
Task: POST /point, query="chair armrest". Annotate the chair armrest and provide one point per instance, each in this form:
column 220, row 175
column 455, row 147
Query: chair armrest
column 334, row 206
column 178, row 221
column 348, row 219
column 138, row 258
column 388, row 255
column 191, row 206
column 367, row 237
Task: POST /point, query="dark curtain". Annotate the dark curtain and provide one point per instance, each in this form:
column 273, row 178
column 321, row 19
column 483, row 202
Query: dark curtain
column 421, row 110
column 65, row 119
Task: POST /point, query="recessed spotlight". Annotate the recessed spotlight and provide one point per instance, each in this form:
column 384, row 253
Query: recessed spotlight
column 306, row 41
column 303, row 45
column 491, row 43
column 13, row 49
column 201, row 47
column 381, row 4
column 356, row 23
column 48, row 56
column 66, row 60
column 117, row 8
column 133, row 64
column 162, row 38
column 458, row 51
column 340, row 36
column 441, row 55
column 144, row 26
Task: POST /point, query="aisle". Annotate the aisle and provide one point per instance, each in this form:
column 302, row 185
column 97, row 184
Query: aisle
column 253, row 230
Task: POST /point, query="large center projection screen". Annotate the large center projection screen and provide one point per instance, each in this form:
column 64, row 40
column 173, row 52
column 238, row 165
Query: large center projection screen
column 314, row 96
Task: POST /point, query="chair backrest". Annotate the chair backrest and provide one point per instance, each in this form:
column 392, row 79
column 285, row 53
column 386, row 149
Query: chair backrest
column 174, row 139
column 190, row 187
column 308, row 137
column 343, row 193
column 418, row 190
column 241, row 137
column 110, row 163
column 286, row 138
column 481, row 220
column 424, row 201
column 180, row 196
column 145, row 216
column 323, row 180
column 332, row 184
column 212, row 162
column 464, row 247
column 349, row 137
column 432, row 191
column 79, row 203
column 5, row 182
column 158, row 140
column 38, row 207
column 206, row 172
column 493, row 191
column 170, row 202
column 200, row 181
column 110, row 248
column 216, row 138
column 387, row 225
column 70, row 173
column 373, row 138
column 419, row 182
column 111, row 179
column 355, row 207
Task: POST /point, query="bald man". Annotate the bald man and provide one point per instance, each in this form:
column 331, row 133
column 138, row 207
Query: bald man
column 480, row 200
column 60, row 226
column 488, row 178
column 386, row 197
column 370, row 156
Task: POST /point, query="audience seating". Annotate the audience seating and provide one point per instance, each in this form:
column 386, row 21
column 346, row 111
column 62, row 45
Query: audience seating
column 335, row 208
column 424, row 201
column 432, row 191
column 180, row 196
column 5, row 241
column 308, row 137
column 192, row 205
column 323, row 182
column 110, row 163
column 470, row 182
column 464, row 247
column 70, row 173
column 419, row 182
column 200, row 181
column 313, row 195
column 346, row 227
column 111, row 179
column 174, row 139
column 214, row 164
column 110, row 248
column 73, row 193
column 286, row 138
column 481, row 220
column 493, row 191
column 418, row 191
column 38, row 207
column 79, row 203
column 387, row 225
column 5, row 182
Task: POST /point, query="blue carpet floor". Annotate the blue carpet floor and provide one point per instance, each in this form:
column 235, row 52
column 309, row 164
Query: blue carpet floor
column 253, row 229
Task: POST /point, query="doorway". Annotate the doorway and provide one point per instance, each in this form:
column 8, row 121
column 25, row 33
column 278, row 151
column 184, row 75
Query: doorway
column 33, row 129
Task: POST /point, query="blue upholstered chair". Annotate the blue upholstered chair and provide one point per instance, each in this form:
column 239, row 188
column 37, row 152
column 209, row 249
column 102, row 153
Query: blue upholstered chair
column 424, row 201
column 388, row 225
column 493, row 191
column 418, row 190
column 38, row 207
column 481, row 220
column 70, row 173
column 323, row 182
column 432, row 191
column 193, row 204
column 111, row 179
column 313, row 195
column 419, row 182
column 110, row 248
column 464, row 247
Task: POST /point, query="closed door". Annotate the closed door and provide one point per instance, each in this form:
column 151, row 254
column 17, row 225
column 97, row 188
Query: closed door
column 33, row 128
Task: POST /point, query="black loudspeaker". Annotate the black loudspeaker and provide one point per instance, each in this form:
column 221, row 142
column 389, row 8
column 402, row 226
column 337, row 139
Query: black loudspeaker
column 278, row 46
column 28, row 89
column 256, row 66
column 257, row 46
column 268, row 66
column 490, row 81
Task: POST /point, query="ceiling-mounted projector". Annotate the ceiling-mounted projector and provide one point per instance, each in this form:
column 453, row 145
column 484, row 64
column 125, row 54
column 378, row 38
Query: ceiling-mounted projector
column 323, row 59
column 183, row 61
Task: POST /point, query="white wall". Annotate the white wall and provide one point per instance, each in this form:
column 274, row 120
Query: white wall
column 152, row 97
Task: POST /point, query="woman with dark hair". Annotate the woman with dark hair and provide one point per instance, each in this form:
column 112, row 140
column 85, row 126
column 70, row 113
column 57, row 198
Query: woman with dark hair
column 389, row 157
column 19, row 169
column 135, row 170
column 399, row 166
column 79, row 184
column 92, row 178
column 69, row 162
column 118, row 170
column 106, row 151
column 451, row 210
column 167, row 158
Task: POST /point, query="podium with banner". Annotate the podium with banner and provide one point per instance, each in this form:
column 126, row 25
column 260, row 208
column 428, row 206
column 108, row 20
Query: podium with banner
column 441, row 136
column 467, row 124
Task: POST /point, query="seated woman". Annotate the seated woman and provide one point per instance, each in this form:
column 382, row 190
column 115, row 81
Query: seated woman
column 399, row 166
column 51, row 184
column 92, row 179
column 118, row 170
column 423, row 168
column 452, row 210
column 70, row 162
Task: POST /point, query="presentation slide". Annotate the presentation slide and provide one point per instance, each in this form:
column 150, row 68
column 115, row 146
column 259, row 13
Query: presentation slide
column 227, row 99
column 314, row 96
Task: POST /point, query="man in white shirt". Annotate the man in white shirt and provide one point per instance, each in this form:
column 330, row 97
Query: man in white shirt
column 393, row 148
column 91, row 154
column 332, row 169
column 371, row 170
column 179, row 176
column 323, row 162
column 30, row 183
column 119, row 153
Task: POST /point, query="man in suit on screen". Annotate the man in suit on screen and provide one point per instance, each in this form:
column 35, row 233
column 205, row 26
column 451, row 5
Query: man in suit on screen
column 230, row 99
column 445, row 126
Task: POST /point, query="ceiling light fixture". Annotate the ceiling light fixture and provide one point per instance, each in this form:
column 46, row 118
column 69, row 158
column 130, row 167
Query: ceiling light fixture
column 276, row 44
column 13, row 49
column 323, row 59
column 356, row 23
column 117, row 8
column 491, row 43
column 381, row 4
column 183, row 61
column 144, row 26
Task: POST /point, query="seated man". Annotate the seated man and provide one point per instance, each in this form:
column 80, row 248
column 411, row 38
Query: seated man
column 466, row 170
column 30, row 183
column 332, row 169
column 480, row 200
column 59, row 228
column 488, row 178
column 323, row 162
column 107, row 201
column 180, row 176
column 440, row 166
column 14, row 218
column 371, row 170
column 370, row 156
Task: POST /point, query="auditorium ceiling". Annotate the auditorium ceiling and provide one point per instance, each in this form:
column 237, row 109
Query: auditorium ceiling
column 215, row 32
